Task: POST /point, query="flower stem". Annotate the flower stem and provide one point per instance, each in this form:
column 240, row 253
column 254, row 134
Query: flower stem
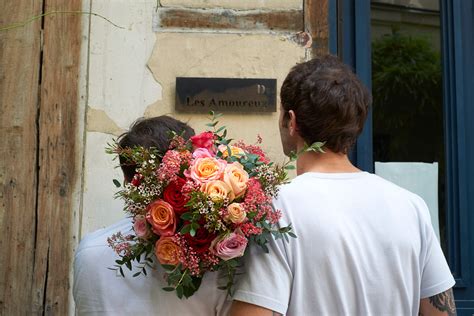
column 181, row 279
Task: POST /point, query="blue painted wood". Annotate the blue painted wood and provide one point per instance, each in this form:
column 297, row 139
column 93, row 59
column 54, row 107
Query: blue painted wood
column 454, row 129
column 458, row 80
column 332, row 26
column 355, row 50
column 363, row 68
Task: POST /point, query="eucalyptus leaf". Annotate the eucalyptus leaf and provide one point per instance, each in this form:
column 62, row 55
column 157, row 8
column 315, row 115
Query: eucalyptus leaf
column 168, row 289
column 168, row 267
column 179, row 291
column 187, row 216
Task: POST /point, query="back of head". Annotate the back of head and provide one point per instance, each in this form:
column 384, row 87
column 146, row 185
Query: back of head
column 151, row 132
column 329, row 101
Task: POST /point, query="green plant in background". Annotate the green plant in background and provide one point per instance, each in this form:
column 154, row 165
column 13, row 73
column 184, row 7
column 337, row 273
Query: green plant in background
column 407, row 91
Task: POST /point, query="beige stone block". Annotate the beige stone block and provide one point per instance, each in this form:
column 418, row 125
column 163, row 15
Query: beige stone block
column 235, row 4
column 228, row 56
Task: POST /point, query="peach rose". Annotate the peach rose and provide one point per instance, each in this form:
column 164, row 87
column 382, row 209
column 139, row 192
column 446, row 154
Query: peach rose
column 236, row 177
column 161, row 216
column 236, row 213
column 218, row 190
column 235, row 151
column 167, row 251
column 206, row 169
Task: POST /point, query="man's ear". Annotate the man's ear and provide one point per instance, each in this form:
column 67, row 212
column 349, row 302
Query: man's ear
column 292, row 127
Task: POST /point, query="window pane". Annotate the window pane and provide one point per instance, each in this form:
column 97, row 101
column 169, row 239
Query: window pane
column 407, row 108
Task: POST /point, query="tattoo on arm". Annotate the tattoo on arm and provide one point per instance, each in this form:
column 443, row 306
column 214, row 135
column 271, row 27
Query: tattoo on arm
column 444, row 302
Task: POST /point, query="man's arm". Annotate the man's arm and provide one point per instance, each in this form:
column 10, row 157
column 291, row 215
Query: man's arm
column 438, row 305
column 243, row 309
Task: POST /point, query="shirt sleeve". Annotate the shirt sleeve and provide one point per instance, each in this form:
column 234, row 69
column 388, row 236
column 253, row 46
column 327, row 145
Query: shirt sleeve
column 267, row 278
column 436, row 275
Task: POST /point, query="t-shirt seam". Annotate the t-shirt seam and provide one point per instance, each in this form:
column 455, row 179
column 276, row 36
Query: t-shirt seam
column 332, row 176
column 440, row 284
column 253, row 294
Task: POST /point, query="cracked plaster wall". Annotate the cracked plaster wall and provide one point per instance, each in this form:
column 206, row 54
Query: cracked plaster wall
column 132, row 73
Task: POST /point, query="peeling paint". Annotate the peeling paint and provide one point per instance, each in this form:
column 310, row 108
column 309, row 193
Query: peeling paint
column 176, row 19
column 234, row 4
column 303, row 39
column 99, row 121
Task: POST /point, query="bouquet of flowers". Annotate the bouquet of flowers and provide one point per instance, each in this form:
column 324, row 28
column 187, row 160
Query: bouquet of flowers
column 197, row 207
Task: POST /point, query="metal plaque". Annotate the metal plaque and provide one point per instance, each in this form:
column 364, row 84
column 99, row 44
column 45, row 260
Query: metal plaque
column 201, row 95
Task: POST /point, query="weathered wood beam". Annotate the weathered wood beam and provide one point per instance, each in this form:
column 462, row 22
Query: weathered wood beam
column 19, row 72
column 58, row 124
column 316, row 23
column 290, row 21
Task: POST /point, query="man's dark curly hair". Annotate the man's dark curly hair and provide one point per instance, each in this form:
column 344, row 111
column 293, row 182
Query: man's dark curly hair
column 329, row 101
column 150, row 132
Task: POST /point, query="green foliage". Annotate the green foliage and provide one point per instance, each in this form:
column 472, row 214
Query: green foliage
column 406, row 73
column 181, row 281
column 138, row 251
column 230, row 268
column 317, row 147
column 406, row 80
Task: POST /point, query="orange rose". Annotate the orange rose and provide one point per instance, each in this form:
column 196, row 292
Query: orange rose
column 235, row 213
column 167, row 251
column 218, row 190
column 206, row 169
column 235, row 151
column 162, row 218
column 236, row 177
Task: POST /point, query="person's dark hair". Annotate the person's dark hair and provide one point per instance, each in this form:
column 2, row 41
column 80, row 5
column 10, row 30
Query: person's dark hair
column 150, row 132
column 329, row 101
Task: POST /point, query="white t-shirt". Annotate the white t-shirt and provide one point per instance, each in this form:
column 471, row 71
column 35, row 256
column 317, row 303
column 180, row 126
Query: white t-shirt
column 98, row 291
column 364, row 247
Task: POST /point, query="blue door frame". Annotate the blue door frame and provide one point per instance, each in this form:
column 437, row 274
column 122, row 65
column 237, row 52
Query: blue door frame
column 350, row 39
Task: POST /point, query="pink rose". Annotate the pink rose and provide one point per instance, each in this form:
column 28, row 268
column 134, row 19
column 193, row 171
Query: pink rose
column 140, row 227
column 203, row 140
column 202, row 153
column 229, row 246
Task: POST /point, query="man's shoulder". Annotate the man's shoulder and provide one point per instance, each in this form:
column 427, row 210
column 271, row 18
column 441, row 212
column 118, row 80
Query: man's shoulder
column 99, row 237
column 367, row 183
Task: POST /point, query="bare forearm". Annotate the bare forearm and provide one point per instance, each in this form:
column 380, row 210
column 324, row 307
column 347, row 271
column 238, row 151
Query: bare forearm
column 438, row 305
column 243, row 309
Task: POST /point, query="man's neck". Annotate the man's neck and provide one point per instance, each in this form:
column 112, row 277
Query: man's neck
column 328, row 162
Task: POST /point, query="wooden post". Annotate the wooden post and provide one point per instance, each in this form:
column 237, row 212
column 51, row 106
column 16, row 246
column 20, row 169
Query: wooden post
column 316, row 22
column 38, row 126
column 19, row 76
column 58, row 115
